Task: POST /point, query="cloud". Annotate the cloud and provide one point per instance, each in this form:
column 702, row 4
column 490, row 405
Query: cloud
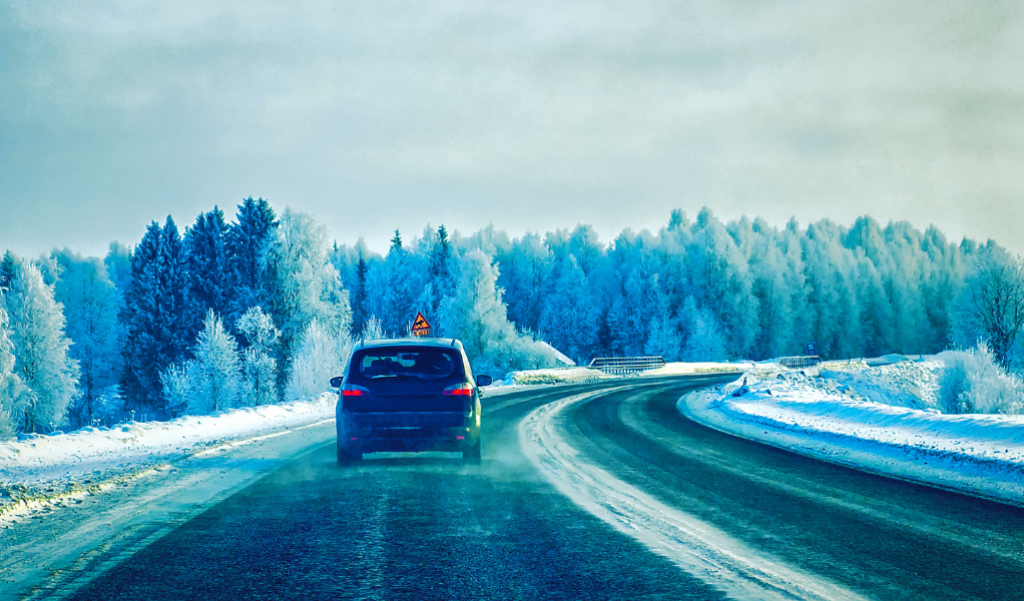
column 567, row 112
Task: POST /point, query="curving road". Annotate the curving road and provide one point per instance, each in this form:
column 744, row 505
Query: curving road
column 426, row 527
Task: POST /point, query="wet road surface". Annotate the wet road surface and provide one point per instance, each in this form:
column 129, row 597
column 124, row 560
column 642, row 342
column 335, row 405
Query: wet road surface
column 427, row 527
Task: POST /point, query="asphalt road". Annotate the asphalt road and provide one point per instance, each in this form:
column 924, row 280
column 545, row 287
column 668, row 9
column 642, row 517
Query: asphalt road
column 427, row 527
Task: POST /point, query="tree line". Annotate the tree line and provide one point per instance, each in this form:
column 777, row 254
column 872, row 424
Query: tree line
column 265, row 308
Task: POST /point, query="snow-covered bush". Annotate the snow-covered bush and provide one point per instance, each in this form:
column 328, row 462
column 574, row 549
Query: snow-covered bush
column 319, row 356
column 973, row 382
column 259, row 365
column 373, row 329
column 210, row 382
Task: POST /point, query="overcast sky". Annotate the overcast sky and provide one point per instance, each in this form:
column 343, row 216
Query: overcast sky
column 530, row 115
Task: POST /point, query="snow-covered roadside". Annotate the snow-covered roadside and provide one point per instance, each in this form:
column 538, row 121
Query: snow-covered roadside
column 556, row 375
column 40, row 465
column 977, row 454
column 678, row 369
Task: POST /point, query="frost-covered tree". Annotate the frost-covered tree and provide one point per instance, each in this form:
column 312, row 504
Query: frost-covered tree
column 704, row 338
column 476, row 315
column 525, row 278
column 397, row 284
column 721, row 284
column 321, row 353
column 212, row 381
column 216, row 359
column 90, row 302
column 569, row 320
column 42, row 361
column 259, row 362
column 991, row 304
column 303, row 285
column 11, row 400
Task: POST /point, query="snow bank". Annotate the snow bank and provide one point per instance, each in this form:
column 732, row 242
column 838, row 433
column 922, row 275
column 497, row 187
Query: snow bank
column 571, row 375
column 674, row 369
column 978, row 454
column 903, row 384
column 37, row 460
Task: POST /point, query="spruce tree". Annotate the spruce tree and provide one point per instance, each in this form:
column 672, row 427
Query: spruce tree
column 359, row 296
column 7, row 270
column 210, row 282
column 159, row 317
column 245, row 243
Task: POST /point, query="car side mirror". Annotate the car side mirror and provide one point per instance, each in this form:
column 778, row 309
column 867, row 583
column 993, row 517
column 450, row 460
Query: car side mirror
column 336, row 381
column 484, row 380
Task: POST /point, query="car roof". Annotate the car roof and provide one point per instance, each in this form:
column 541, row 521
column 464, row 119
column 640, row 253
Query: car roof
column 423, row 342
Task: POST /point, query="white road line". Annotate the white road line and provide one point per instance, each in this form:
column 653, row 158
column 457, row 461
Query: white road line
column 699, row 548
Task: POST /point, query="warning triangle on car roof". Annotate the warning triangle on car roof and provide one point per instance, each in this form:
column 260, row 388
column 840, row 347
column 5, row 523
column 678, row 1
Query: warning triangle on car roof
column 420, row 327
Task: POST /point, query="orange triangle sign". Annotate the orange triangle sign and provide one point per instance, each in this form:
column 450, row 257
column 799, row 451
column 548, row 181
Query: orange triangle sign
column 420, row 327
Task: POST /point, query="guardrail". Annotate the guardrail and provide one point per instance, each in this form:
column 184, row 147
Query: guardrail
column 626, row 365
column 799, row 362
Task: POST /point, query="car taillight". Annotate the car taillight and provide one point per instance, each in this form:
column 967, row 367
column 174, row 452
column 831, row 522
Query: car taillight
column 463, row 389
column 353, row 390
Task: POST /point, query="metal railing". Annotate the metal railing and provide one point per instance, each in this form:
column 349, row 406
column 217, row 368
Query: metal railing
column 626, row 365
column 799, row 362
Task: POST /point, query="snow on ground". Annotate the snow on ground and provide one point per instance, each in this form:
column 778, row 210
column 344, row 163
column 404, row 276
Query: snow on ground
column 881, row 419
column 556, row 375
column 61, row 460
column 675, row 369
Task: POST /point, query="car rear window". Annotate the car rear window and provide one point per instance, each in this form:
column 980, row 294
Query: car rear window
column 406, row 363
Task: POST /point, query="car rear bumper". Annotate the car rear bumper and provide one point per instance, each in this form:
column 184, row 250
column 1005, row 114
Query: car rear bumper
column 416, row 432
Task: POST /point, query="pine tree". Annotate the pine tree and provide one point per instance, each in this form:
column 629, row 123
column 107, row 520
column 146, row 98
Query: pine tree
column 359, row 298
column 246, row 239
column 7, row 269
column 209, row 275
column 42, row 362
column 159, row 317
column 396, row 243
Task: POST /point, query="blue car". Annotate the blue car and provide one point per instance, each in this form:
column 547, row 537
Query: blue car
column 415, row 394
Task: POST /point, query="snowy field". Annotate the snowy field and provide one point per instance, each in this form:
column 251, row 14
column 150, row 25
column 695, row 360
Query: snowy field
column 40, row 465
column 879, row 418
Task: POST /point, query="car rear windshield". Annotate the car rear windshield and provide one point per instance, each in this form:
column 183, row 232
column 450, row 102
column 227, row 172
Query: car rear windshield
column 415, row 363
